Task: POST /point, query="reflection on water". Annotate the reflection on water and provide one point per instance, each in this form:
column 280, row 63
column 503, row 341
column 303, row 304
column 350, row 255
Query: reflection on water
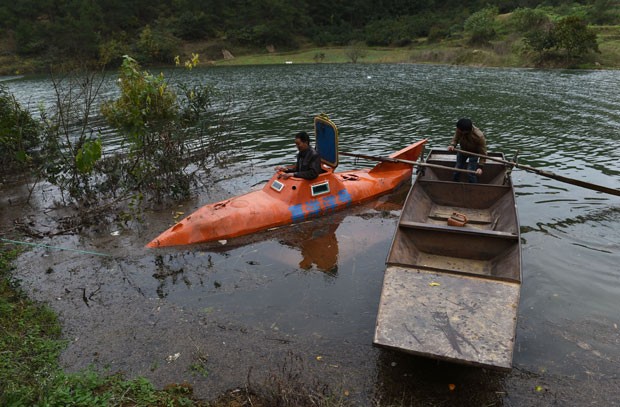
column 319, row 247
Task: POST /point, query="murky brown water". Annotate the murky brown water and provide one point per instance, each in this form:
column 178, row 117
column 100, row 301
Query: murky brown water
column 306, row 296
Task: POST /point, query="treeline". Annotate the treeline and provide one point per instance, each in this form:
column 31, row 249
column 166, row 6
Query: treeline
column 153, row 30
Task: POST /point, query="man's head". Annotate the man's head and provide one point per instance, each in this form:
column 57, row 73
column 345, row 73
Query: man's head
column 464, row 126
column 302, row 140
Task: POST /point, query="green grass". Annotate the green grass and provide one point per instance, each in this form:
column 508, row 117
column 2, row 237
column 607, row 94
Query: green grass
column 333, row 55
column 504, row 52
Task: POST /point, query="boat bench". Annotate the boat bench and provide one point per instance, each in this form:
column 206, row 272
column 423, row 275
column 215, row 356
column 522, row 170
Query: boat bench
column 462, row 250
column 457, row 229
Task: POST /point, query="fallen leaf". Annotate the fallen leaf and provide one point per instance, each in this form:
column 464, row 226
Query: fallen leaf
column 174, row 357
column 319, row 358
column 539, row 388
column 434, row 284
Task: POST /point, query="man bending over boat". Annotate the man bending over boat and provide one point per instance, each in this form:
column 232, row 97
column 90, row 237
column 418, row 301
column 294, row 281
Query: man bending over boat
column 308, row 164
column 470, row 139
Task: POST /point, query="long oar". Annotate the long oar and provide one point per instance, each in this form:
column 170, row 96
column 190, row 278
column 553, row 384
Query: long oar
column 548, row 174
column 398, row 160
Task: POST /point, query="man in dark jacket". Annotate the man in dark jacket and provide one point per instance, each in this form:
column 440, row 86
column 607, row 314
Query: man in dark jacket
column 308, row 164
column 470, row 138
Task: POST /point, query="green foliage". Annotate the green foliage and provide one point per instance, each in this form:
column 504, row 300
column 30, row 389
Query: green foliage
column 525, row 20
column 604, row 12
column 145, row 101
column 152, row 29
column 341, row 34
column 570, row 35
column 88, row 155
column 157, row 45
column 399, row 31
column 574, row 37
column 355, row 52
column 194, row 26
column 19, row 134
column 165, row 133
column 381, row 32
column 481, row 25
column 112, row 50
column 30, row 340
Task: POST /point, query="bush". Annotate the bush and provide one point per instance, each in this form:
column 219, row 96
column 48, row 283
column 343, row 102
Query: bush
column 382, row 32
column 481, row 26
column 526, row 19
column 574, row 37
column 71, row 145
column 19, row 134
column 112, row 51
column 170, row 137
column 569, row 35
column 157, row 45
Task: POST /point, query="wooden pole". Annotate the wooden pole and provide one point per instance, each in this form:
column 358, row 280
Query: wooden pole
column 398, row 160
column 548, row 174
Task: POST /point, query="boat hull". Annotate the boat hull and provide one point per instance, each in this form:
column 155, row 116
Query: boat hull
column 285, row 201
column 451, row 291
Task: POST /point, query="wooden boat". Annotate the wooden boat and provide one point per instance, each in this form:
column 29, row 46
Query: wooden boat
column 284, row 201
column 451, row 292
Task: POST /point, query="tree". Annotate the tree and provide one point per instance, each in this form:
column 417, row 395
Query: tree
column 573, row 36
column 355, row 52
column 570, row 35
column 481, row 25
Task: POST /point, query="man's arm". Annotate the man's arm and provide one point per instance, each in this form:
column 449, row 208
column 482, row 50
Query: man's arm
column 454, row 142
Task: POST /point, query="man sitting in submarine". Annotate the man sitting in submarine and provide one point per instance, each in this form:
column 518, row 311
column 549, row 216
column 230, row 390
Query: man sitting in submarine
column 308, row 164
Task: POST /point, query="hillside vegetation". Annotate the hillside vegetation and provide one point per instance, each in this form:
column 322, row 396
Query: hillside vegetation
column 37, row 34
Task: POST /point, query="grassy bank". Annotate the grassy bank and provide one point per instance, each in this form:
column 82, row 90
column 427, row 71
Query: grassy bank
column 501, row 53
column 507, row 50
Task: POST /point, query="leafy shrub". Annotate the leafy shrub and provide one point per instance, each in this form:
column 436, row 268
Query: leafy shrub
column 169, row 137
column 112, row 50
column 570, row 35
column 157, row 44
column 481, row 25
column 574, row 37
column 19, row 134
column 379, row 32
column 527, row 19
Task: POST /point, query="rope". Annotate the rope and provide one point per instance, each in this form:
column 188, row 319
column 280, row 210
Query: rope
column 55, row 247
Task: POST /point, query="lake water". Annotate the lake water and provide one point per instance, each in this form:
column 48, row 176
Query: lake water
column 286, row 284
